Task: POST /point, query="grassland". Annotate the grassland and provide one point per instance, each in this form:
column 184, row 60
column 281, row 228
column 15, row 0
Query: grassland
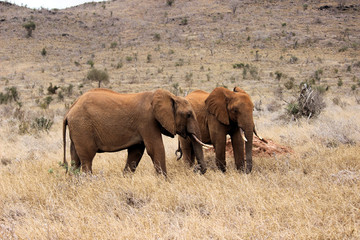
column 313, row 193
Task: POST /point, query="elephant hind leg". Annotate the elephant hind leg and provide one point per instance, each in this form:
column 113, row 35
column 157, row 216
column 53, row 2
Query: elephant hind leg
column 135, row 154
column 75, row 160
column 83, row 156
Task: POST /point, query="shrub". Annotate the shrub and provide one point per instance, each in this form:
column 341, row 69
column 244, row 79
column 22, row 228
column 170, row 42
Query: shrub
column 52, row 89
column 184, row 21
column 170, row 2
column 148, row 58
column 43, row 52
column 157, row 37
column 42, row 124
column 29, row 26
column 289, row 84
column 340, row 82
column 278, row 75
column 44, row 104
column 293, row 59
column 180, row 62
column 11, row 94
column 309, row 104
column 98, row 76
column 113, row 45
column 119, row 65
column 247, row 68
column 91, row 63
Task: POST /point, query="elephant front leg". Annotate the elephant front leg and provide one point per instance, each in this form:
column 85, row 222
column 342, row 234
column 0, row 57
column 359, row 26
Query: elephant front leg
column 134, row 156
column 188, row 152
column 238, row 148
column 155, row 148
column 219, row 145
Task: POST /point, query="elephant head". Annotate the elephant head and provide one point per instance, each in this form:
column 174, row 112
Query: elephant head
column 234, row 108
column 176, row 116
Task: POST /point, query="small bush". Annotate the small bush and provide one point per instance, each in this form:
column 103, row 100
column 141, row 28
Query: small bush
column 247, row 68
column 180, row 62
column 91, row 63
column 148, row 58
column 43, row 52
column 289, row 84
column 42, row 124
column 238, row 65
column 184, row 22
column 340, row 82
column 119, row 65
column 98, row 76
column 278, row 75
column 157, row 37
column 113, row 45
column 29, row 26
column 11, row 94
column 170, row 2
column 294, row 59
column 129, row 58
column 45, row 103
column 52, row 89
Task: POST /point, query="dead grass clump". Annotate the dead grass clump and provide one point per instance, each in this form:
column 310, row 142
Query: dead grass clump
column 309, row 104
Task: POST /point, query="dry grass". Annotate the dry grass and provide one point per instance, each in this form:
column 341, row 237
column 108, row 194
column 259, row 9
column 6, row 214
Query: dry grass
column 311, row 194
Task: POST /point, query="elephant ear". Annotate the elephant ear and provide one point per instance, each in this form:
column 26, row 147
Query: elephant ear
column 163, row 109
column 237, row 89
column 216, row 103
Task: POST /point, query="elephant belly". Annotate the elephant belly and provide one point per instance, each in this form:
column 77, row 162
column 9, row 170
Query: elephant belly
column 114, row 144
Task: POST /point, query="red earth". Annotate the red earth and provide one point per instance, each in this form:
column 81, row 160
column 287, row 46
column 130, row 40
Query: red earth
column 261, row 148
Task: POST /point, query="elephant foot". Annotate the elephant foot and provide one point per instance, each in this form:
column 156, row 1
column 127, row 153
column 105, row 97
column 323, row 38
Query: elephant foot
column 200, row 169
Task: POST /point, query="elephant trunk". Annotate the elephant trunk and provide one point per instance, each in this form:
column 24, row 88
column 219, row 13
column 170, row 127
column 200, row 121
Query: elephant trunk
column 198, row 153
column 248, row 150
column 193, row 131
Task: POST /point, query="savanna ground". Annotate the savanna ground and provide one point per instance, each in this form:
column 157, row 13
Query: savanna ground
column 312, row 193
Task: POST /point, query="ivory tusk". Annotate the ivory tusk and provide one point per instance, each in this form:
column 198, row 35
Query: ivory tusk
column 261, row 139
column 243, row 135
column 206, row 146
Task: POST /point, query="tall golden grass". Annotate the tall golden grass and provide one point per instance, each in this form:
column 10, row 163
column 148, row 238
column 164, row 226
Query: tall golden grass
column 311, row 194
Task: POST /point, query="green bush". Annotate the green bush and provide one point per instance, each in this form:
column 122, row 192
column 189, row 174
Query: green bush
column 42, row 124
column 52, row 89
column 170, row 2
column 43, row 52
column 91, row 63
column 29, row 26
column 98, row 76
column 113, row 45
column 11, row 94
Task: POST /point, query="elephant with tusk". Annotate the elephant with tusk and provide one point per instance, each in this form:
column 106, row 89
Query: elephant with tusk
column 219, row 113
column 102, row 120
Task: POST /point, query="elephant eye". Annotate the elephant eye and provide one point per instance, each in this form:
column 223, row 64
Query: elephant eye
column 188, row 115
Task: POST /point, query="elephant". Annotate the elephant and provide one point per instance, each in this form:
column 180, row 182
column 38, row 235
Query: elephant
column 102, row 120
column 219, row 113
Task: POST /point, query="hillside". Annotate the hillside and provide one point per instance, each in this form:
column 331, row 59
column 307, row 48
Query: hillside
column 268, row 48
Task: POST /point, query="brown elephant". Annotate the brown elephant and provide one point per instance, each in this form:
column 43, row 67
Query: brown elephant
column 220, row 113
column 102, row 120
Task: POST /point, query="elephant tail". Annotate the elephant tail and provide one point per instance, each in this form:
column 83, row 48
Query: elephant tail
column 178, row 157
column 65, row 164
